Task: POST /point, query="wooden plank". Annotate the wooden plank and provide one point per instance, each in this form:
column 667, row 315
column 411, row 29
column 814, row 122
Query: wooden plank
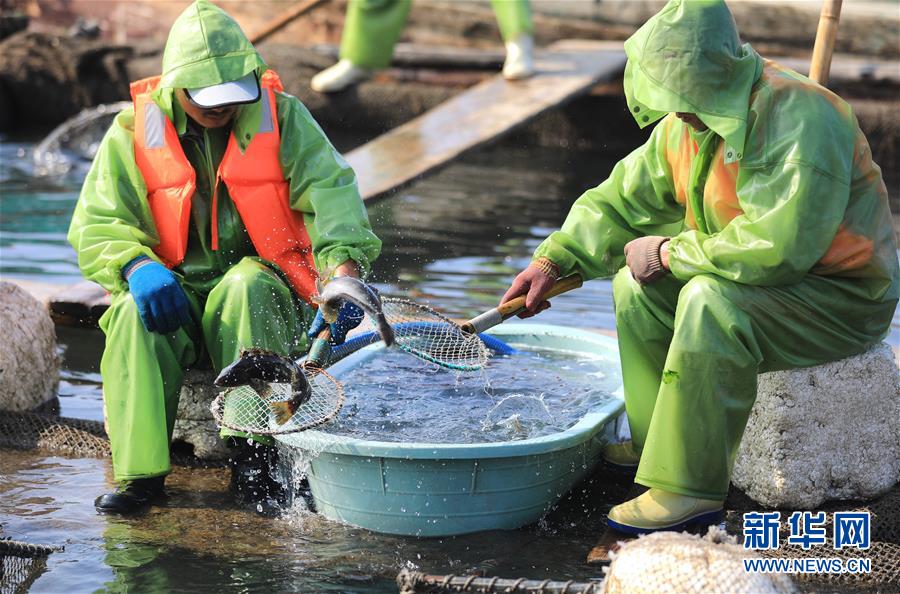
column 484, row 113
column 609, row 542
column 415, row 55
column 282, row 20
column 846, row 68
column 79, row 305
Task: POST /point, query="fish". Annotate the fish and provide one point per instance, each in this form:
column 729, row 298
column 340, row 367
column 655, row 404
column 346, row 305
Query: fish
column 258, row 368
column 333, row 293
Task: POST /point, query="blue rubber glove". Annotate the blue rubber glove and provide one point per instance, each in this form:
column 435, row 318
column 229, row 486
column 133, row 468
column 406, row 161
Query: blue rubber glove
column 160, row 300
column 349, row 317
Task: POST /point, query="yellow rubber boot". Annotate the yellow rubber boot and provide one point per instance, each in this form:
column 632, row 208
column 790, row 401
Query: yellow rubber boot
column 622, row 454
column 658, row 510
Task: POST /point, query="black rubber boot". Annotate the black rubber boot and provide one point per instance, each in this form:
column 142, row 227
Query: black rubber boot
column 131, row 496
column 252, row 481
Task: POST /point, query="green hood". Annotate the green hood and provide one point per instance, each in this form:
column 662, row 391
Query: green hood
column 689, row 58
column 207, row 47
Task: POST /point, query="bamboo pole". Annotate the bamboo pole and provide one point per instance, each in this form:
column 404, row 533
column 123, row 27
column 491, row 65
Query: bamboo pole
column 282, row 20
column 826, row 35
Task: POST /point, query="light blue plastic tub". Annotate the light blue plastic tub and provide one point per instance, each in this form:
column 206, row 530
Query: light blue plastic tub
column 443, row 489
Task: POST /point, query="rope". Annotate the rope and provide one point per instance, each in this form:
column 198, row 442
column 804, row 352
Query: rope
column 14, row 548
column 416, row 582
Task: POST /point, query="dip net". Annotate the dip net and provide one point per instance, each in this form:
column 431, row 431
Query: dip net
column 21, row 564
column 245, row 409
column 432, row 336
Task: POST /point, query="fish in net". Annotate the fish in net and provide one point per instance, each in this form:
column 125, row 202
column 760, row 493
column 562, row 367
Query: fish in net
column 254, row 408
column 262, row 395
column 433, row 337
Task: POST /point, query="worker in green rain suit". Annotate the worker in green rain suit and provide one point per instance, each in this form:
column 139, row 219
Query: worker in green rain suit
column 756, row 236
column 372, row 28
column 221, row 296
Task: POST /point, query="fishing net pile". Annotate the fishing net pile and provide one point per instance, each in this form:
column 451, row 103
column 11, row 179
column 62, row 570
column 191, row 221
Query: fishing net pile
column 675, row 562
column 21, row 564
column 35, row 431
column 81, row 438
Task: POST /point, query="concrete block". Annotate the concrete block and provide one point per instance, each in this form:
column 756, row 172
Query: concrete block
column 822, row 433
column 29, row 362
column 195, row 424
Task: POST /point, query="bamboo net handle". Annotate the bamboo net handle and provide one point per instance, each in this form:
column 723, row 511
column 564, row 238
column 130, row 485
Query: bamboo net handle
column 495, row 316
column 826, row 35
column 563, row 285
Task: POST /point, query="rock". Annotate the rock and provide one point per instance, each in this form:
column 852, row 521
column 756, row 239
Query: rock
column 12, row 23
column 195, row 424
column 48, row 78
column 673, row 562
column 821, row 433
column 29, row 363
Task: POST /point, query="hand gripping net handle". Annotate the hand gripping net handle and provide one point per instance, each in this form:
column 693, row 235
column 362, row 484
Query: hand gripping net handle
column 515, row 306
column 431, row 336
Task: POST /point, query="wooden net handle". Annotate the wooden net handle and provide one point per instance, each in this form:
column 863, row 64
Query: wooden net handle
column 497, row 315
column 826, row 35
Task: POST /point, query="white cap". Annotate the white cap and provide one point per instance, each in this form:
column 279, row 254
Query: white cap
column 242, row 90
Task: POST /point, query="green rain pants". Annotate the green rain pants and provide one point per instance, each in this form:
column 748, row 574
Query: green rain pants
column 372, row 28
column 142, row 371
column 690, row 356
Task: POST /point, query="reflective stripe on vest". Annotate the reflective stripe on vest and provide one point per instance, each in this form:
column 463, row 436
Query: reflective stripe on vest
column 254, row 180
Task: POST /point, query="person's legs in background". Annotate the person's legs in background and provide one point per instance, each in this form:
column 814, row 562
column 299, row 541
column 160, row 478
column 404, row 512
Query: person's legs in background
column 371, row 30
column 517, row 30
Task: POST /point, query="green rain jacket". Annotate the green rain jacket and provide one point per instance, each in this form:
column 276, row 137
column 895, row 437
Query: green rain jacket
column 781, row 185
column 112, row 223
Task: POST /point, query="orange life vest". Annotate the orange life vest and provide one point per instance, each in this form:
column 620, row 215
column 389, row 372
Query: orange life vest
column 254, row 180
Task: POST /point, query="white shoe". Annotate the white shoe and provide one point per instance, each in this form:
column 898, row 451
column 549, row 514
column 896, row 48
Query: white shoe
column 519, row 58
column 338, row 77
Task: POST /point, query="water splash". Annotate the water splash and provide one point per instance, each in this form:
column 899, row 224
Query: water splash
column 520, row 415
column 75, row 141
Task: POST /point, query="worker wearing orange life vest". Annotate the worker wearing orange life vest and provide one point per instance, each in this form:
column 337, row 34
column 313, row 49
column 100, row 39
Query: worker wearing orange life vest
column 207, row 212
